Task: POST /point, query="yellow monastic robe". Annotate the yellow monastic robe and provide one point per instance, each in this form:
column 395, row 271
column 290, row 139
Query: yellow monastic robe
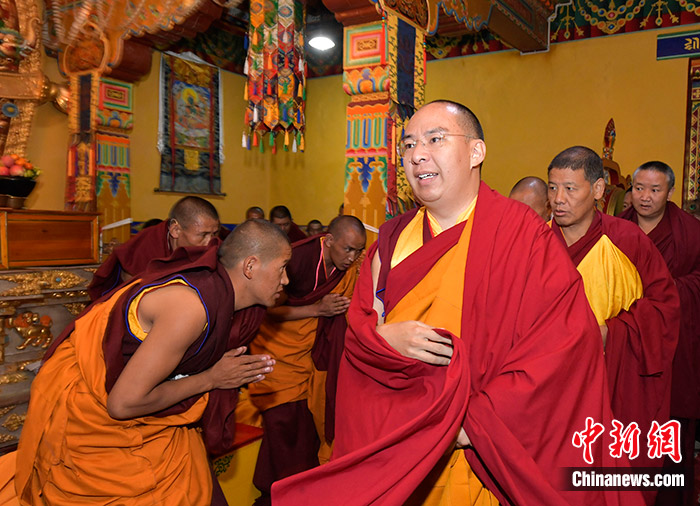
column 610, row 279
column 294, row 376
column 437, row 301
column 72, row 452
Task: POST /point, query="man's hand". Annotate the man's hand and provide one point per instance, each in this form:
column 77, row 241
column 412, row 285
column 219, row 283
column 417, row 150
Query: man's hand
column 332, row 304
column 417, row 340
column 604, row 333
column 235, row 369
column 462, row 439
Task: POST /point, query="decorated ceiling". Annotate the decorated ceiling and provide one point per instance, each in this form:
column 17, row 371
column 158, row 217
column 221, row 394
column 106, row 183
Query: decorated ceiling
column 582, row 19
column 224, row 43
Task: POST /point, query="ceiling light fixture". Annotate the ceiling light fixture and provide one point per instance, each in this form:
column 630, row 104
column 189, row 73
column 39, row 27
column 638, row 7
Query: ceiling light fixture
column 321, row 43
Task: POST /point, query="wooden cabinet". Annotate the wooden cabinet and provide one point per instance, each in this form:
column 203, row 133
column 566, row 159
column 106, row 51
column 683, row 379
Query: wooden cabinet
column 42, row 291
column 30, row 238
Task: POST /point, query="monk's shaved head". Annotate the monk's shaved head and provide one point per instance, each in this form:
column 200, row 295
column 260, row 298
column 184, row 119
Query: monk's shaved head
column 257, row 238
column 255, row 213
column 469, row 121
column 341, row 224
column 532, row 191
column 530, row 183
column 345, row 241
column 280, row 212
column 188, row 209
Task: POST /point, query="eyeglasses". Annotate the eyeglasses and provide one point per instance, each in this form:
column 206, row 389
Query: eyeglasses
column 431, row 141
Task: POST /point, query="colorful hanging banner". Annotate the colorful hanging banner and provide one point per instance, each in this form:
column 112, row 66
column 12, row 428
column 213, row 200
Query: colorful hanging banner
column 276, row 71
column 190, row 139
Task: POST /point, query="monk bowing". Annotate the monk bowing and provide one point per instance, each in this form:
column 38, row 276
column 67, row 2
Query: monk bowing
column 121, row 404
column 305, row 333
column 192, row 221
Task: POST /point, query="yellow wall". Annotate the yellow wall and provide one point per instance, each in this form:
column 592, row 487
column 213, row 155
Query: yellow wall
column 534, row 106
column 47, row 149
column 531, row 107
column 310, row 183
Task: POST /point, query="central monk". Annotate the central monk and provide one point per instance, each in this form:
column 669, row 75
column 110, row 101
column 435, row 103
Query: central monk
column 305, row 334
column 471, row 355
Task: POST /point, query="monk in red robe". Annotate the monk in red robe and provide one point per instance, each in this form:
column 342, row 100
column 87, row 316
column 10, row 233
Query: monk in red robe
column 305, row 336
column 472, row 358
column 118, row 409
column 629, row 288
column 532, row 191
column 192, row 222
column 282, row 217
column 677, row 236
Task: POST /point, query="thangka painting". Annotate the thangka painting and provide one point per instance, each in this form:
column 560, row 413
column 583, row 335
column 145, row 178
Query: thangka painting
column 190, row 137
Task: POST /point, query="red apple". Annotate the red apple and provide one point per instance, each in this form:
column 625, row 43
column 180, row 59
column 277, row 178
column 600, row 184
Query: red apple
column 7, row 161
column 4, row 171
column 16, row 170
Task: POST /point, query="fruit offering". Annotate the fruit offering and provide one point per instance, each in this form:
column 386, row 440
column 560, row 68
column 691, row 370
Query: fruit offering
column 17, row 166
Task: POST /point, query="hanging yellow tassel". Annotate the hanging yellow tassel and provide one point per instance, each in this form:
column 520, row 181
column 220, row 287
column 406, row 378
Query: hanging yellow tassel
column 286, row 140
column 301, row 144
column 245, row 92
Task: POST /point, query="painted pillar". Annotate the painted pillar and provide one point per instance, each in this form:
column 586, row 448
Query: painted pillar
column 99, row 152
column 691, row 171
column 384, row 74
column 113, row 157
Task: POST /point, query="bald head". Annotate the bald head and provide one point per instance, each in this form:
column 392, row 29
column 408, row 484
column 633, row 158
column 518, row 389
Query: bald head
column 192, row 222
column 532, row 191
column 254, row 213
column 255, row 256
column 258, row 238
column 345, row 241
column 341, row 224
column 188, row 209
column 467, row 118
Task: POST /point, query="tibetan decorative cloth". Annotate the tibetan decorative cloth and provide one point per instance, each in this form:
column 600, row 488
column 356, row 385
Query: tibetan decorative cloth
column 190, row 134
column 276, row 72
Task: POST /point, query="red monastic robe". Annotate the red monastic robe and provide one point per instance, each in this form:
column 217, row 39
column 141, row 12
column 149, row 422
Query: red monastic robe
column 70, row 447
column 677, row 236
column 527, row 370
column 643, row 334
column 295, row 233
column 131, row 257
column 301, row 349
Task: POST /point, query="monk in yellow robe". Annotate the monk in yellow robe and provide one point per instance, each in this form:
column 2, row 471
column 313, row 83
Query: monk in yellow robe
column 119, row 406
column 305, row 336
column 629, row 288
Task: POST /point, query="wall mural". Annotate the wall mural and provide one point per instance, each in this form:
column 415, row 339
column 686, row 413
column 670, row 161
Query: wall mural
column 189, row 137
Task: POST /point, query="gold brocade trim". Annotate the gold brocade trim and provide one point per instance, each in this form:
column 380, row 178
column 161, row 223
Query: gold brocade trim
column 6, row 438
column 36, row 282
column 6, row 410
column 12, row 378
column 20, row 126
column 380, row 96
column 75, row 308
column 191, row 159
column 14, row 422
